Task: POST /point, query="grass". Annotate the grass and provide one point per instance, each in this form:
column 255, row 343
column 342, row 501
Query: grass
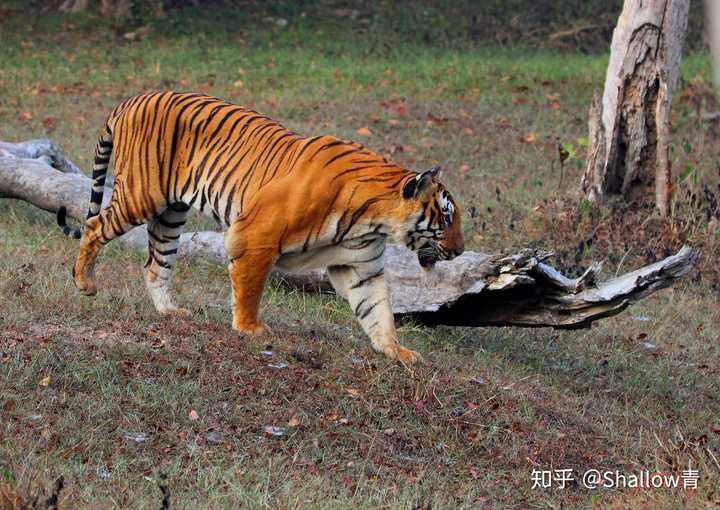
column 79, row 378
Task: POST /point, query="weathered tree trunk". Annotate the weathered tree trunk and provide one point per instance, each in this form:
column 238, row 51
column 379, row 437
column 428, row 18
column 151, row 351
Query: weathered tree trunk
column 712, row 30
column 118, row 9
column 630, row 126
column 475, row 289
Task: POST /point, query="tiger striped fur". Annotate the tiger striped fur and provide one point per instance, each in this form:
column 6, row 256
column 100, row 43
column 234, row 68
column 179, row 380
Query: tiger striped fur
column 287, row 200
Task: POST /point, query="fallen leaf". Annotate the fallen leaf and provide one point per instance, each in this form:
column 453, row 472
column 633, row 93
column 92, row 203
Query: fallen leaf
column 363, row 131
column 26, row 116
column 294, row 421
column 553, row 101
column 45, row 381
column 396, row 107
column 50, row 123
column 193, row 415
column 394, row 122
column 353, row 392
column 531, row 137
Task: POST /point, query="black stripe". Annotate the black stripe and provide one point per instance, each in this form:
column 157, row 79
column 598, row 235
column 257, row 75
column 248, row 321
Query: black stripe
column 328, row 146
column 96, row 197
column 357, row 308
column 308, row 144
column 354, row 218
column 357, row 169
column 338, row 156
column 370, row 309
column 274, row 149
column 170, row 224
column 155, row 236
column 159, row 262
column 229, row 203
column 366, row 280
column 179, row 207
column 372, row 259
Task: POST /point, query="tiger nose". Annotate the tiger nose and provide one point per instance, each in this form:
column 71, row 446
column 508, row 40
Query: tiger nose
column 458, row 251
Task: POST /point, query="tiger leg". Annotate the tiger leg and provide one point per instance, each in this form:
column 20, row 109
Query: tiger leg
column 109, row 223
column 249, row 268
column 163, row 239
column 364, row 286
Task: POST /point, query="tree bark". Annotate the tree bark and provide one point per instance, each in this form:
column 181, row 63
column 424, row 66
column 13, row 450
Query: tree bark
column 630, row 128
column 475, row 289
column 118, row 9
column 712, row 29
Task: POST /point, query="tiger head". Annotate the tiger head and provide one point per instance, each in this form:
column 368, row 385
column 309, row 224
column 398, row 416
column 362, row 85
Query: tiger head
column 432, row 226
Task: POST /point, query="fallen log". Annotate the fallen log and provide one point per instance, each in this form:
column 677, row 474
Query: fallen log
column 475, row 289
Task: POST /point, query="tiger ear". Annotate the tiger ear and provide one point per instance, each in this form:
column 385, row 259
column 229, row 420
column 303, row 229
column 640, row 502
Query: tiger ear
column 421, row 183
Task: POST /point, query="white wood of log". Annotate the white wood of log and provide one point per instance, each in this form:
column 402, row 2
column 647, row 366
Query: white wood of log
column 629, row 129
column 475, row 289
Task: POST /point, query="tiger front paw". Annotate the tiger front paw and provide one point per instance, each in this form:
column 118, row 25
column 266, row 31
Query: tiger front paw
column 403, row 355
column 408, row 357
column 86, row 286
column 85, row 283
column 250, row 328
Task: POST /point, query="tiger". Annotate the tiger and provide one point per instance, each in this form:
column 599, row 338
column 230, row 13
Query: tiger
column 284, row 200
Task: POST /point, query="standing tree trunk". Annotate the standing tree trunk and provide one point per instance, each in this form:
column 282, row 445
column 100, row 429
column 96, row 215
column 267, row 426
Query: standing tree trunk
column 118, row 9
column 712, row 30
column 74, row 6
column 630, row 126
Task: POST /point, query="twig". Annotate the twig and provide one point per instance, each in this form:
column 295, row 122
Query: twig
column 570, row 32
